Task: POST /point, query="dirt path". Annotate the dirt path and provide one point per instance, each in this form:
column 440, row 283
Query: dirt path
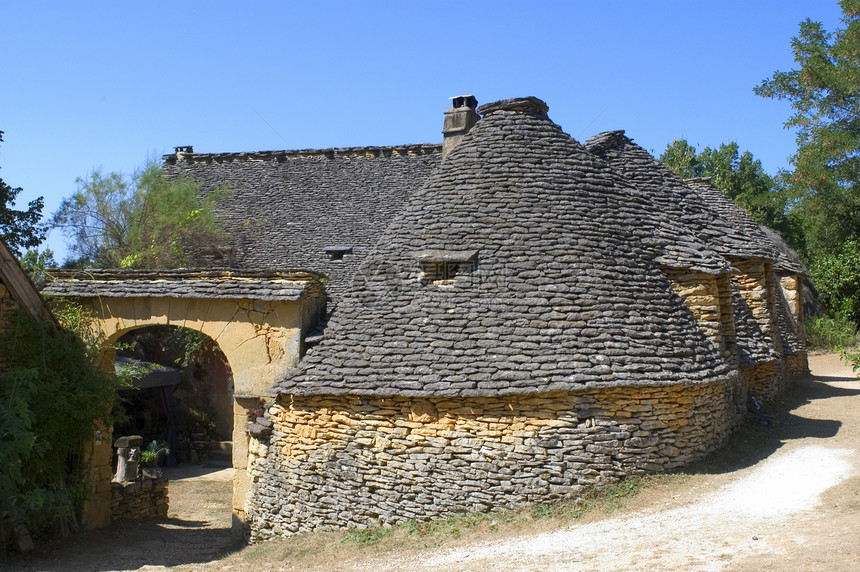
column 798, row 508
column 786, row 497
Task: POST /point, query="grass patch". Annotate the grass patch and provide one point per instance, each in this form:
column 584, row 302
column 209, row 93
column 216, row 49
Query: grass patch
column 368, row 536
column 438, row 531
column 336, row 549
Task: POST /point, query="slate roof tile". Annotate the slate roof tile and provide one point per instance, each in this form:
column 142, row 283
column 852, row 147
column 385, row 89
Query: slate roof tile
column 285, row 208
column 712, row 220
column 267, row 286
column 565, row 248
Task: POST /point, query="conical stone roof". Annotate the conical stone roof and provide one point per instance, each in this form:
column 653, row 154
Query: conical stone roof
column 558, row 284
column 786, row 259
column 712, row 223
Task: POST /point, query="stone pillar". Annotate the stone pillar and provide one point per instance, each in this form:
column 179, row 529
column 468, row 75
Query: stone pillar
column 96, row 459
column 792, row 290
column 128, row 458
column 242, row 405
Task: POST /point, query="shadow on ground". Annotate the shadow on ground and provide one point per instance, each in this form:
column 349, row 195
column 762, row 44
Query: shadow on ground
column 131, row 544
column 754, row 442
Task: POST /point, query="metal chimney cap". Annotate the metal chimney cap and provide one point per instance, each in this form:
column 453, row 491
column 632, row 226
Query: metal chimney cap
column 464, row 101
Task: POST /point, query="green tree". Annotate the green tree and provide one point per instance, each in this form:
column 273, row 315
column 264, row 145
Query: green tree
column 20, row 228
column 740, row 177
column 35, row 262
column 824, row 93
column 147, row 221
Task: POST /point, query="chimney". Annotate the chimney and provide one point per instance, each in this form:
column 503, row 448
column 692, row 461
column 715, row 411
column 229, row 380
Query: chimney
column 458, row 120
column 183, row 151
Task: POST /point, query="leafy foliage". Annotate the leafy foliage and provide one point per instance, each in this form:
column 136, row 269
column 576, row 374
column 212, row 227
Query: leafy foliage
column 35, row 262
column 20, row 228
column 146, row 222
column 51, row 398
column 824, row 93
column 826, row 333
column 836, row 273
column 740, row 177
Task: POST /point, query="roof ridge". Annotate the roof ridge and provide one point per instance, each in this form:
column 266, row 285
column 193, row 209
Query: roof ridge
column 518, row 104
column 606, row 140
column 408, row 149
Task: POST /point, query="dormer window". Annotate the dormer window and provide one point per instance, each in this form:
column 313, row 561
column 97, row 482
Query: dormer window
column 337, row 252
column 444, row 267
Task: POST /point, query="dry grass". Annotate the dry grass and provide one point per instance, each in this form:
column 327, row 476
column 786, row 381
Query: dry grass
column 330, row 550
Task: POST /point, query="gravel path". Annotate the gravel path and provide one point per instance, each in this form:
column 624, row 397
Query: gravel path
column 726, row 524
column 761, row 517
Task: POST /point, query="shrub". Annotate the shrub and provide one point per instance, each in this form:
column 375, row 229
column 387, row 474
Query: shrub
column 51, row 399
column 830, row 333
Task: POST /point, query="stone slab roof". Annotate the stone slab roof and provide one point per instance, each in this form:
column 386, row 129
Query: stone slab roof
column 269, row 286
column 317, row 209
column 786, row 259
column 709, row 220
column 789, row 261
column 564, row 289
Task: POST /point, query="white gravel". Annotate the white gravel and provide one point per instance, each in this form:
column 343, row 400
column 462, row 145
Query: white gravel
column 733, row 521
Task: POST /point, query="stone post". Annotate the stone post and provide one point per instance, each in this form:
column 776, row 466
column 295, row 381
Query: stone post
column 128, row 457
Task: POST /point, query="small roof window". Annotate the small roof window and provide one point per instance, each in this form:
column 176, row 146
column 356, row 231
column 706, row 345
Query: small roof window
column 443, row 267
column 337, row 252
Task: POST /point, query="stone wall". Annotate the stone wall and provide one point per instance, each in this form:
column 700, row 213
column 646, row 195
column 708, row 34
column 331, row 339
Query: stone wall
column 796, row 365
column 727, row 318
column 144, row 498
column 757, row 283
column 765, row 380
column 336, row 462
column 702, row 295
column 791, row 289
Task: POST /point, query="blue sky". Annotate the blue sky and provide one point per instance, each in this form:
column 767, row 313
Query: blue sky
column 86, row 85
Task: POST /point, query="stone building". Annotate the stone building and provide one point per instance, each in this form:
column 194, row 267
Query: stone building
column 760, row 335
column 534, row 320
column 512, row 316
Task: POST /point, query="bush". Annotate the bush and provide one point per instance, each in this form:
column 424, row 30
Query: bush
column 827, row 333
column 836, row 276
column 51, row 398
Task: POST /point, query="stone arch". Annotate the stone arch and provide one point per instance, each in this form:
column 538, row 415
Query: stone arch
column 260, row 339
column 258, row 320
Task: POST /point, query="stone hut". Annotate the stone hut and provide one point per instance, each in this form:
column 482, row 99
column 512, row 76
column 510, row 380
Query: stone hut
column 529, row 324
column 516, row 317
column 785, row 346
column 753, row 290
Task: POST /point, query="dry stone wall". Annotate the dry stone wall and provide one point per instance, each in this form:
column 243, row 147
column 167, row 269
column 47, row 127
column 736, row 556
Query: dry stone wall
column 341, row 461
column 143, row 498
column 767, row 374
column 791, row 290
column 765, row 380
column 702, row 295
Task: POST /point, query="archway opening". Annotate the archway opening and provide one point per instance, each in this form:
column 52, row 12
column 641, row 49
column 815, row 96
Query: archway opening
column 180, row 399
